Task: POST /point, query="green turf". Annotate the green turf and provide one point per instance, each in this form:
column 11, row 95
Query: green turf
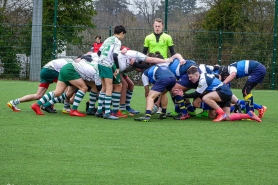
column 59, row 149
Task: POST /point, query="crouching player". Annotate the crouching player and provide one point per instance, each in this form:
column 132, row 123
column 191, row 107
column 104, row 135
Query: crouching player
column 78, row 74
column 163, row 80
column 218, row 96
column 48, row 75
column 256, row 72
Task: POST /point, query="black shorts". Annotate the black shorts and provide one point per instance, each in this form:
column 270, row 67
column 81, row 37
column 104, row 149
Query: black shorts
column 225, row 99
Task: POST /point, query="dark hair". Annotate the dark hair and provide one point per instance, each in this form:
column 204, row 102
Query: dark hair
column 192, row 70
column 98, row 36
column 79, row 56
column 119, row 29
column 223, row 71
column 142, row 65
column 151, row 55
column 156, row 55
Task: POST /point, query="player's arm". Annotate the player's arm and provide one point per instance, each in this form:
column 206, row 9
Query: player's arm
column 87, row 57
column 99, row 53
column 116, row 61
column 179, row 57
column 202, row 86
column 192, row 95
column 145, row 81
column 147, row 90
column 153, row 60
column 230, row 78
column 100, row 49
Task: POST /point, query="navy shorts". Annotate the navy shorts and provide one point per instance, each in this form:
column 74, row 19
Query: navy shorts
column 185, row 82
column 225, row 99
column 225, row 95
column 258, row 74
column 166, row 83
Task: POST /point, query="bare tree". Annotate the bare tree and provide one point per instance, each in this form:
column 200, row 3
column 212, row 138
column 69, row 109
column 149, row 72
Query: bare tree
column 16, row 11
column 147, row 8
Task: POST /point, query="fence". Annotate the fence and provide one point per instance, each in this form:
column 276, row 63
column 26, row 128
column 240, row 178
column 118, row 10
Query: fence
column 201, row 46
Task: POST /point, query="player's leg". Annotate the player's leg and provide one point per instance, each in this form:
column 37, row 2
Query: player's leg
column 211, row 99
column 177, row 91
column 247, row 95
column 105, row 96
column 177, row 98
column 159, row 88
column 256, row 76
column 69, row 77
column 47, row 76
column 116, row 95
column 101, row 98
column 189, row 107
column 108, row 99
column 70, row 94
column 164, row 104
column 67, row 94
column 198, row 103
column 60, row 87
column 30, row 97
column 149, row 106
column 123, row 94
column 82, row 89
column 92, row 98
column 129, row 93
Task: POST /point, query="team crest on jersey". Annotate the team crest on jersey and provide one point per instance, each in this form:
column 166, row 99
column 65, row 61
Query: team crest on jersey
column 199, row 86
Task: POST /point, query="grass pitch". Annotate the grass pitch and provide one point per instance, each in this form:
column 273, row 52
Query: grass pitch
column 59, row 149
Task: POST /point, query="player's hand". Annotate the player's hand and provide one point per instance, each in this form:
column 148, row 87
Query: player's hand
column 132, row 62
column 116, row 72
column 182, row 62
column 146, row 94
column 171, row 59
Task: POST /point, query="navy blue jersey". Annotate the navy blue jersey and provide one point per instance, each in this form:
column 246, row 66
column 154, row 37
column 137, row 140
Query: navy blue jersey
column 156, row 73
column 179, row 70
column 243, row 67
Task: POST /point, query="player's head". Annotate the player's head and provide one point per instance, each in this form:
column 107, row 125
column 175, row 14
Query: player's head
column 156, row 55
column 223, row 72
column 193, row 74
column 120, row 31
column 125, row 47
column 158, row 26
column 142, row 66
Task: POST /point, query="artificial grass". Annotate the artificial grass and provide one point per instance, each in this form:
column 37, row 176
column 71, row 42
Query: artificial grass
column 59, row 149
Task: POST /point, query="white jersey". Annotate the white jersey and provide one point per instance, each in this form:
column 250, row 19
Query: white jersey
column 166, row 64
column 110, row 46
column 87, row 70
column 57, row 64
column 124, row 59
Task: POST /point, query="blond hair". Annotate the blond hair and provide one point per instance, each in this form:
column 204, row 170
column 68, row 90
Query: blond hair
column 158, row 20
